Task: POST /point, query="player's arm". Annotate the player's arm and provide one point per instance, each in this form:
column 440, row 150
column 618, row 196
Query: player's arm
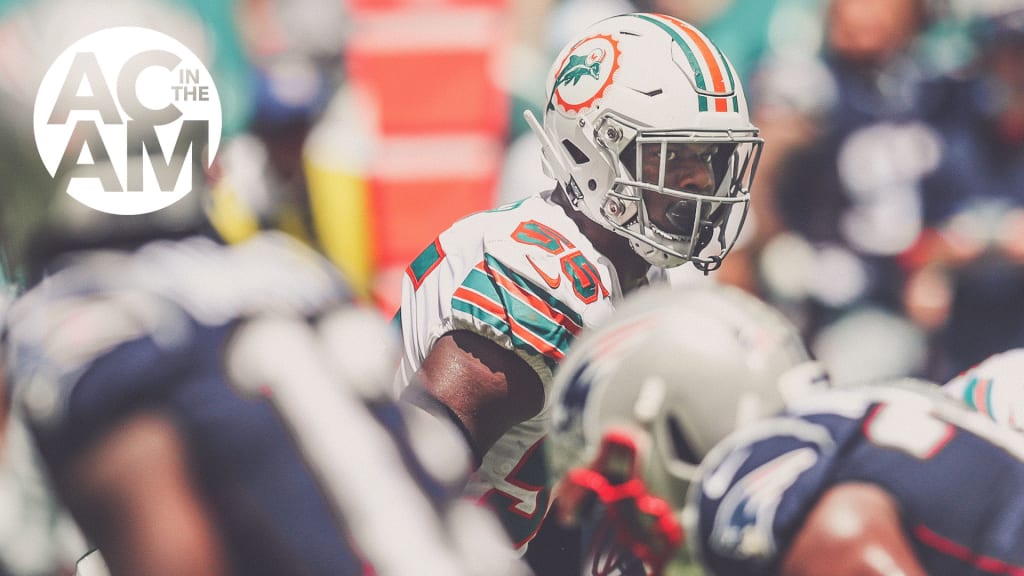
column 854, row 529
column 484, row 388
column 132, row 495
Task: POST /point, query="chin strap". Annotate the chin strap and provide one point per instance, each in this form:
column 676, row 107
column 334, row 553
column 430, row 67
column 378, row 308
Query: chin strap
column 710, row 265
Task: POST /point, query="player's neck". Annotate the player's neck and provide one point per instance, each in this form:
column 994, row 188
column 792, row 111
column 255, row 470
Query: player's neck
column 630, row 267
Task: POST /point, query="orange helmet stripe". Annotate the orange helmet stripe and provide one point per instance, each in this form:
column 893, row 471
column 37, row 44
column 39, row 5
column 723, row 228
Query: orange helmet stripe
column 693, row 42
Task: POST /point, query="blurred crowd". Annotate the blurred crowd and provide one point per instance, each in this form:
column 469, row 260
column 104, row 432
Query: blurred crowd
column 887, row 218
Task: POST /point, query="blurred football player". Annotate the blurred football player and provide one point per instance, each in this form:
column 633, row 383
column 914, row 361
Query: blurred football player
column 882, row 479
column 994, row 387
column 639, row 401
column 213, row 409
column 647, row 135
column 182, row 399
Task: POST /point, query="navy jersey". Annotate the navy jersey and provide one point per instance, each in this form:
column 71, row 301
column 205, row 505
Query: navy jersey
column 230, row 344
column 958, row 480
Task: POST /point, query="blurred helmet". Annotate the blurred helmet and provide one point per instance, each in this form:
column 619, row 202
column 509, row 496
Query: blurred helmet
column 642, row 400
column 646, row 129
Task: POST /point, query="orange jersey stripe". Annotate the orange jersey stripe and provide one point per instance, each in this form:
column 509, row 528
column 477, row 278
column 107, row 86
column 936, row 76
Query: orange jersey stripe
column 542, row 307
column 518, row 329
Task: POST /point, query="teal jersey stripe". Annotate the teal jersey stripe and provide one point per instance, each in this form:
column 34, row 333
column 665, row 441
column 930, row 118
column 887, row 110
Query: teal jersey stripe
column 969, row 393
column 551, row 332
column 522, row 313
column 480, row 314
column 510, row 206
column 425, row 262
column 479, row 281
column 529, row 286
column 396, row 321
column 969, row 397
column 502, row 327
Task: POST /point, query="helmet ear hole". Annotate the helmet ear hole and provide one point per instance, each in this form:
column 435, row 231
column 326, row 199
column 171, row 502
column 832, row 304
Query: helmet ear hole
column 681, row 448
column 578, row 156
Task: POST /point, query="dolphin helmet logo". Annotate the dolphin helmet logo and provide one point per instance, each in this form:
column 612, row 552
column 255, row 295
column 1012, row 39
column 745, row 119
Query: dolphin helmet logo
column 585, row 73
column 579, row 66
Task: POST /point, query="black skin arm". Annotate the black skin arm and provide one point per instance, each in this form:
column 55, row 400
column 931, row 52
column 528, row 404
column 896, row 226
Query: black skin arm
column 853, row 530
column 485, row 388
column 132, row 495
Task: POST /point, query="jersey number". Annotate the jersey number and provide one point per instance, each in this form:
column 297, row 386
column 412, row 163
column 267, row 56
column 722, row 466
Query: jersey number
column 586, row 281
column 521, row 498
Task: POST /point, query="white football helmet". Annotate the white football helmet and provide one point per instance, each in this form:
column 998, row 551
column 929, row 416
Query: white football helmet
column 642, row 400
column 646, row 129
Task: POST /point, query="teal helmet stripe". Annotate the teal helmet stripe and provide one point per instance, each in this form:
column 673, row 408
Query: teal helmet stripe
column 691, row 57
column 700, row 51
column 732, row 79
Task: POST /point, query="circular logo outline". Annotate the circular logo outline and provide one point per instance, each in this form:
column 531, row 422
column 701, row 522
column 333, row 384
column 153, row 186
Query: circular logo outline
column 586, row 68
column 79, row 113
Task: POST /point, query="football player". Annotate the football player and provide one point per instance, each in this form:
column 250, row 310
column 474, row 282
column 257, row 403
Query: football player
column 646, row 131
column 879, row 479
column 205, row 409
column 638, row 402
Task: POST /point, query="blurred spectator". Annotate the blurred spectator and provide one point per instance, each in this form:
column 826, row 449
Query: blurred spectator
column 294, row 50
column 968, row 268
column 261, row 175
column 845, row 186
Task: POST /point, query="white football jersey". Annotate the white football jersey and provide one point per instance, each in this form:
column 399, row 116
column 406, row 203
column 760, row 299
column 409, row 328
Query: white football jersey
column 523, row 276
column 994, row 387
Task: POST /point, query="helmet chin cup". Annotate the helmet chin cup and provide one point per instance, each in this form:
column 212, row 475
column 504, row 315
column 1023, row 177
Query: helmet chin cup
column 656, row 256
